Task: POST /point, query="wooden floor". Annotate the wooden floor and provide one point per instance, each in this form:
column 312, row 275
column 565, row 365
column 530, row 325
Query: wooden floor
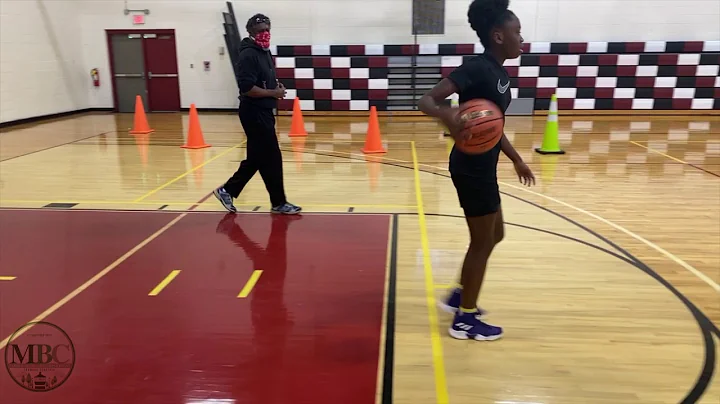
column 606, row 282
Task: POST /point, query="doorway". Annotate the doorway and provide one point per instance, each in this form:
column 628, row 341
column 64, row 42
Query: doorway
column 144, row 63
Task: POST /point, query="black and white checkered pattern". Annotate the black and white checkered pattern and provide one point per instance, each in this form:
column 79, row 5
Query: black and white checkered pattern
column 594, row 75
column 340, row 83
column 556, row 48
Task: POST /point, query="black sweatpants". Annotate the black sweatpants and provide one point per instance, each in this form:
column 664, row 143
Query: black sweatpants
column 263, row 154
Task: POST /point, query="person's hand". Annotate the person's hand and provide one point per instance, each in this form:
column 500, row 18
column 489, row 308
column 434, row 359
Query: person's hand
column 524, row 173
column 449, row 118
column 280, row 91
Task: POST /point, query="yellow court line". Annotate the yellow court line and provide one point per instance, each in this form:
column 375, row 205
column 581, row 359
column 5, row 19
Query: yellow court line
column 6, row 278
column 670, row 141
column 169, row 278
column 441, row 391
column 139, row 200
column 384, row 323
column 179, row 177
column 250, row 284
column 94, row 279
column 647, row 242
column 660, row 153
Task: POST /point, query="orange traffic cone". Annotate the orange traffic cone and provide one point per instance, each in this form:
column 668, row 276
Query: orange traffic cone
column 373, row 144
column 195, row 138
column 297, row 127
column 140, row 125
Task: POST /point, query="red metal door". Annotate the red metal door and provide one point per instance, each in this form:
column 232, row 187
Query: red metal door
column 161, row 63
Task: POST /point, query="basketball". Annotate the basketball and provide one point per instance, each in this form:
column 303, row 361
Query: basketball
column 484, row 123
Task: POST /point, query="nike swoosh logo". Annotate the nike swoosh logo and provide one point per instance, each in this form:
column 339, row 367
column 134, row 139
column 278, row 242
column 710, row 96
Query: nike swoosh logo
column 502, row 89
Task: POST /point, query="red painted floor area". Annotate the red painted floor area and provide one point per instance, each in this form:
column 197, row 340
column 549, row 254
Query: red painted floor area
column 309, row 332
column 53, row 252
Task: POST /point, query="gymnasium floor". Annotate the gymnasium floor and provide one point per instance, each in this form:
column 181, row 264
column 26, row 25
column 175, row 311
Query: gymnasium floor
column 606, row 282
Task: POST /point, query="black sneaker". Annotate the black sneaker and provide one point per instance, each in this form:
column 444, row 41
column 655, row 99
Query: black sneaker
column 286, row 209
column 225, row 198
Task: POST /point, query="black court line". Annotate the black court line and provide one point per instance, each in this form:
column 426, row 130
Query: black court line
column 707, row 327
column 162, row 207
column 59, row 205
column 708, row 367
column 389, row 358
column 640, row 265
column 255, row 209
column 677, row 161
column 56, row 146
column 704, row 170
column 351, row 209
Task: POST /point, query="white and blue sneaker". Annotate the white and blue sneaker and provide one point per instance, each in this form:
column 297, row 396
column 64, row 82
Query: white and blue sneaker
column 286, row 209
column 469, row 326
column 451, row 304
column 225, row 198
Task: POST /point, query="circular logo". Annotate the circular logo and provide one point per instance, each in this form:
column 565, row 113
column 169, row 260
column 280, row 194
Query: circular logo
column 42, row 358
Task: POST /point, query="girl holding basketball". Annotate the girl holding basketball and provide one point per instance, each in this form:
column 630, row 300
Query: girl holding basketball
column 475, row 174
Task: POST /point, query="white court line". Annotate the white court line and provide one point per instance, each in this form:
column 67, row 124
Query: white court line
column 661, row 250
column 647, row 242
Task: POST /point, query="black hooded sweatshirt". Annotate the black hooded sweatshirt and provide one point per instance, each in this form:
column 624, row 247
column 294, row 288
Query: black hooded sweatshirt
column 255, row 68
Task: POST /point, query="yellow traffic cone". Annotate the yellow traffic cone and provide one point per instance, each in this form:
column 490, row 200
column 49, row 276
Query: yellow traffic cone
column 551, row 143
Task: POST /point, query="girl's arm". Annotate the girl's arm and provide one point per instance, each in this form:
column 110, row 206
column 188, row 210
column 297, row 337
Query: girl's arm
column 431, row 104
column 524, row 173
column 509, row 150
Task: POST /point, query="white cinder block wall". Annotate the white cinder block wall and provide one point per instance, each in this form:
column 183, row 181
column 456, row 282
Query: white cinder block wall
column 49, row 46
column 42, row 70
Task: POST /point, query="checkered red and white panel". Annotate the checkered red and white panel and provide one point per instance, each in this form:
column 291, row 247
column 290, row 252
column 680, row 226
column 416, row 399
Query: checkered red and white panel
column 558, row 48
column 326, row 83
column 593, row 75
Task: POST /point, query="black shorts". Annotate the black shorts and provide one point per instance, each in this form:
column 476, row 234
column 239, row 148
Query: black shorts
column 477, row 197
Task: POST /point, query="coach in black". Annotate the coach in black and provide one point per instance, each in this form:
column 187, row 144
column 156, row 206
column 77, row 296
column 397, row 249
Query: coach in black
column 259, row 92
